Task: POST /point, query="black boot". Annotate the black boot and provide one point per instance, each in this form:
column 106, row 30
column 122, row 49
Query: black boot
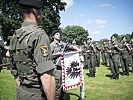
column 113, row 76
column 93, row 75
column 123, row 73
column 117, row 77
column 127, row 73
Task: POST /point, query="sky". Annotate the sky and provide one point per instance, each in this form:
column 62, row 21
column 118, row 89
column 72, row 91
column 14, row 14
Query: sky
column 101, row 18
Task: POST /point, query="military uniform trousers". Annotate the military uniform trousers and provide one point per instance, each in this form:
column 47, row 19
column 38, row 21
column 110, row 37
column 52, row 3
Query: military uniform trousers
column 59, row 86
column 104, row 58
column 24, row 93
column 98, row 59
column 114, row 64
column 124, row 62
column 85, row 55
column 92, row 67
column 109, row 60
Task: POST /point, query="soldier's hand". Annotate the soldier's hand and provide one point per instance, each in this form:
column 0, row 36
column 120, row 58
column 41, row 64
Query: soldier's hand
column 126, row 44
column 17, row 81
column 115, row 45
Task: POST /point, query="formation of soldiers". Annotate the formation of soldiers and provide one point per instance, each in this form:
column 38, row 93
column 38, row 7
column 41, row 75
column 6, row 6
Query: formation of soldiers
column 117, row 56
column 91, row 54
column 31, row 56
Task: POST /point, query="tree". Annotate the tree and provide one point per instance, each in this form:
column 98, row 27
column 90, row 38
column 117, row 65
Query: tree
column 128, row 36
column 102, row 41
column 77, row 33
column 11, row 18
column 132, row 35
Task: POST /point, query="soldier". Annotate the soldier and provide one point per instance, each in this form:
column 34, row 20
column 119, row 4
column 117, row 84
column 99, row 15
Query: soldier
column 104, row 53
column 125, row 56
column 96, row 45
column 31, row 63
column 109, row 54
column 131, row 53
column 85, row 54
column 57, row 47
column 92, row 54
column 114, row 58
column 3, row 53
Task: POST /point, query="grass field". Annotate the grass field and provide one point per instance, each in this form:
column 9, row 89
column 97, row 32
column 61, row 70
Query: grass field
column 98, row 88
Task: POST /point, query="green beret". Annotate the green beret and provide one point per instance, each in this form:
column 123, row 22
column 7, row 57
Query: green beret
column 33, row 3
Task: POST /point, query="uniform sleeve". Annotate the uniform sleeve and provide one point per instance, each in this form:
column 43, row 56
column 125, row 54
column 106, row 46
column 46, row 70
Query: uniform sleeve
column 42, row 54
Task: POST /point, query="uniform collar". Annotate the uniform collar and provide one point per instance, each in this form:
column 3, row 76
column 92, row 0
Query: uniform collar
column 29, row 23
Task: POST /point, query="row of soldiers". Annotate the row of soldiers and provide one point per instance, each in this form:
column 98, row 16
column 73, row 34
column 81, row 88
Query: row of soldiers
column 91, row 54
column 116, row 55
column 113, row 55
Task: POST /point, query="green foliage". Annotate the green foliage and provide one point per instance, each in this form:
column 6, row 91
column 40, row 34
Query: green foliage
column 77, row 33
column 11, row 17
column 51, row 18
column 118, row 37
column 103, row 40
column 132, row 35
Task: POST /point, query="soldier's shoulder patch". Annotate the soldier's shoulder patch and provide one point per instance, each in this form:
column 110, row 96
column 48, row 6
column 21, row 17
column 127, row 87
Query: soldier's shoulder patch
column 44, row 50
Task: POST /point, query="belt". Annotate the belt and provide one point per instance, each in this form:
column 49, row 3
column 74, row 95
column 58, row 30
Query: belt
column 31, row 89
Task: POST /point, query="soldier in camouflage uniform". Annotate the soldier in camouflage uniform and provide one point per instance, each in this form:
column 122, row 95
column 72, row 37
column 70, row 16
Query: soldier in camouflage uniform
column 97, row 46
column 57, row 47
column 3, row 52
column 104, row 53
column 30, row 51
column 125, row 56
column 92, row 55
column 85, row 54
column 131, row 53
column 114, row 58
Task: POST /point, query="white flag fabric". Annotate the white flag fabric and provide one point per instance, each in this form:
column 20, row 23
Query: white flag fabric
column 72, row 70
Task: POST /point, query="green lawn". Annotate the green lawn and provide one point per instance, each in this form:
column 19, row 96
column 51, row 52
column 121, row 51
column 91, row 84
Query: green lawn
column 99, row 88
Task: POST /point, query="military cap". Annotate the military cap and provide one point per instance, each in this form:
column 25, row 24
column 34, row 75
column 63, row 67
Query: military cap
column 113, row 36
column 33, row 3
column 54, row 32
column 89, row 38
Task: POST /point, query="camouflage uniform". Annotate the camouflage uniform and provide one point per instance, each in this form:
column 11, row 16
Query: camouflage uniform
column 124, row 59
column 57, row 47
column 97, row 55
column 85, row 55
column 104, row 54
column 2, row 52
column 115, row 60
column 92, row 55
column 30, row 57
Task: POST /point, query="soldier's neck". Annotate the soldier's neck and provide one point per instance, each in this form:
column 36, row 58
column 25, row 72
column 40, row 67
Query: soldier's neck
column 57, row 40
column 30, row 19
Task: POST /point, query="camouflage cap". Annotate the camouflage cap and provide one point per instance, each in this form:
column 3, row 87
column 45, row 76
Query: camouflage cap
column 33, row 3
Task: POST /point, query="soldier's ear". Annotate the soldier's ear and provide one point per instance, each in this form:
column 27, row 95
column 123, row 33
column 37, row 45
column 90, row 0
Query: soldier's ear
column 34, row 11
